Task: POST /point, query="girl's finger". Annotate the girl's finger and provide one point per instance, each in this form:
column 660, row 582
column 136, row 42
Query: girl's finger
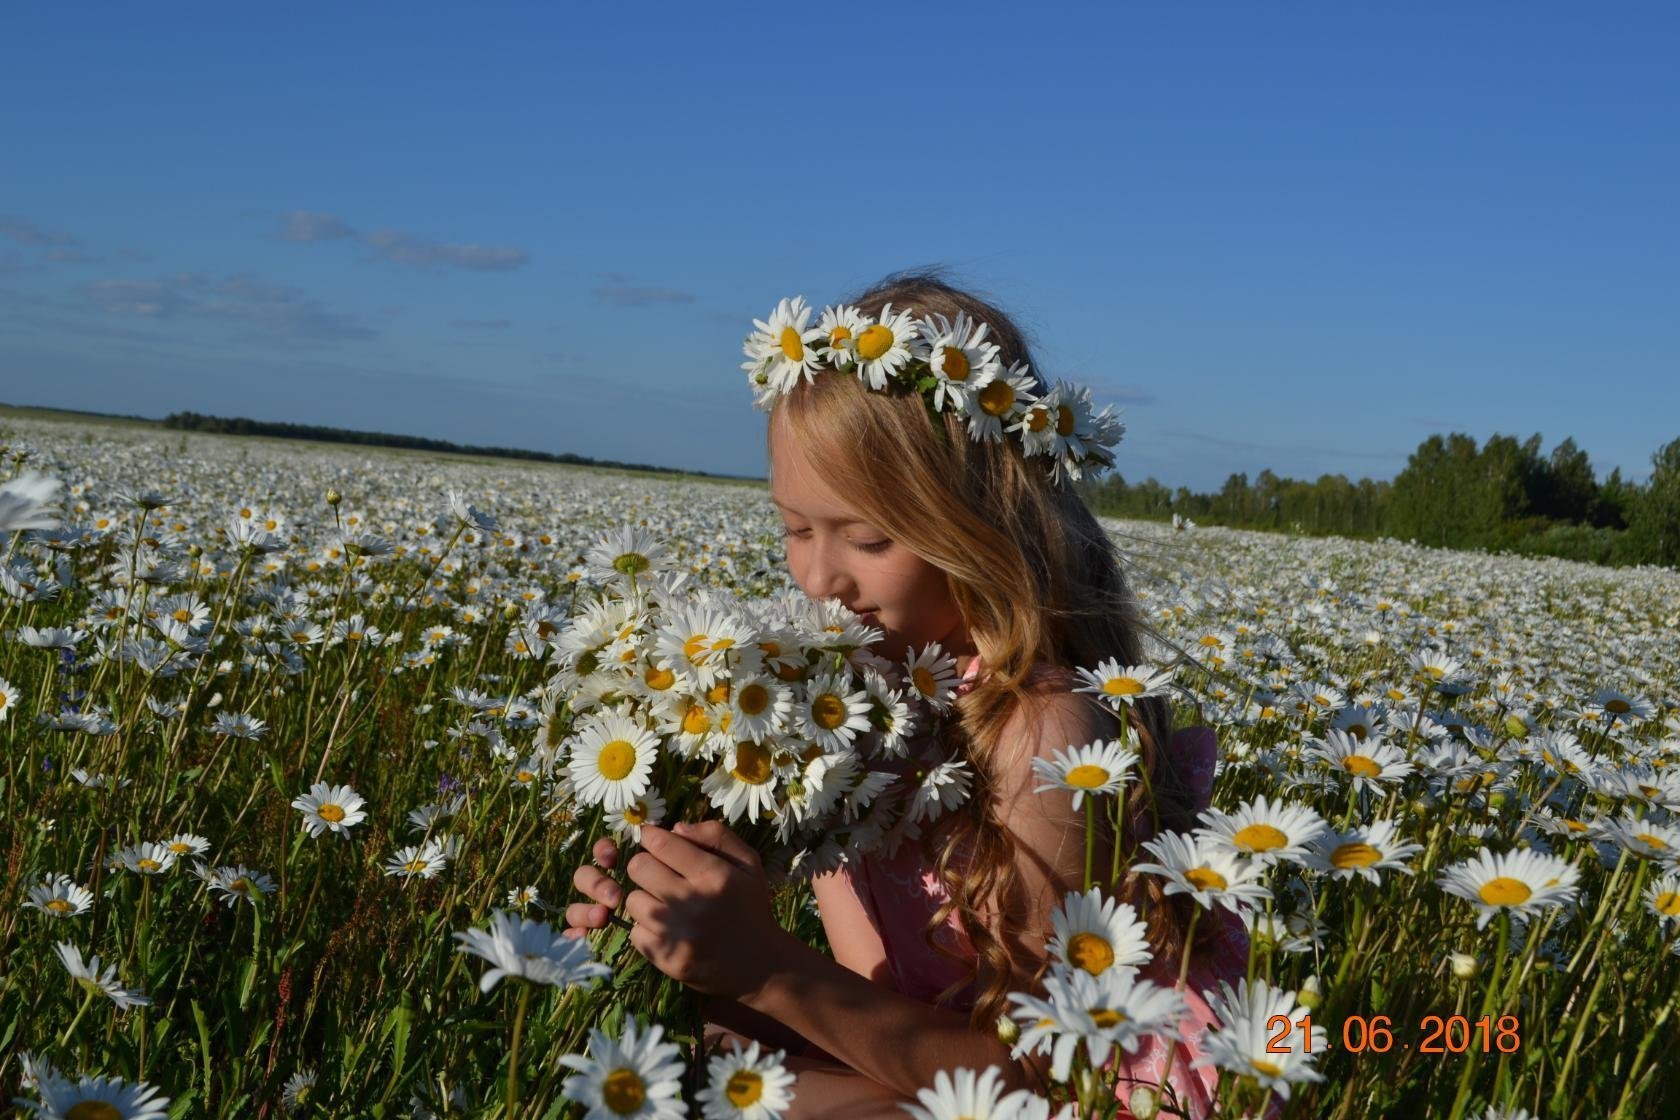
column 605, row 853
column 650, row 873
column 587, row 915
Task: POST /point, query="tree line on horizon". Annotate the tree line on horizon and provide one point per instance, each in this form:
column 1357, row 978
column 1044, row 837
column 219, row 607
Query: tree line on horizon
column 244, row 426
column 1501, row 496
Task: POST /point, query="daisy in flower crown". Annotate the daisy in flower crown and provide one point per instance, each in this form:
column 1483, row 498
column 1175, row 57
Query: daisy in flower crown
column 924, row 473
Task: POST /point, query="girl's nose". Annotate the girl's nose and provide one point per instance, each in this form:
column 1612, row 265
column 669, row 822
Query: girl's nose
column 825, row 575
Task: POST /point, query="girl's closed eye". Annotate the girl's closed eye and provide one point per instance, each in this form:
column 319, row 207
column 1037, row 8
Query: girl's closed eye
column 864, row 546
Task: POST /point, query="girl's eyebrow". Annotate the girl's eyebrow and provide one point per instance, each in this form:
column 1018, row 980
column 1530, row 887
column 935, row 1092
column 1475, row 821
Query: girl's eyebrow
column 831, row 520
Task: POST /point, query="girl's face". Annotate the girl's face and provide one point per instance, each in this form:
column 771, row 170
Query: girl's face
column 834, row 553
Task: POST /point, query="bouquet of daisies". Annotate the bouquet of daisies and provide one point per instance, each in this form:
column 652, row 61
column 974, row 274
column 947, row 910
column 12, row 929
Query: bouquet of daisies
column 671, row 702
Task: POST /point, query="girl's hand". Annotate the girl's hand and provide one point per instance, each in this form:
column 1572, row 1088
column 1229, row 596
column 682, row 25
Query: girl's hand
column 587, row 917
column 702, row 915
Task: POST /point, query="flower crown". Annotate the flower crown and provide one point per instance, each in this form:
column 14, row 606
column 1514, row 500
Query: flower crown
column 949, row 364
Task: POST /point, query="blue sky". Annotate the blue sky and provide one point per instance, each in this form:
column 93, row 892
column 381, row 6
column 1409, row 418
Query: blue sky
column 1299, row 236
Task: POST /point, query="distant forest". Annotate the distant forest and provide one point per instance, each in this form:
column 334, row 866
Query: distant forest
column 242, row 426
column 1501, row 496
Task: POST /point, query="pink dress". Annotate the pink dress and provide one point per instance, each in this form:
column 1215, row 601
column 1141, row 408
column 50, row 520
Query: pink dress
column 901, row 894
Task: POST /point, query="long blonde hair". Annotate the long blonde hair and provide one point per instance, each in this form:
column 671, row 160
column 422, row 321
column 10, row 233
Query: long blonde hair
column 1037, row 580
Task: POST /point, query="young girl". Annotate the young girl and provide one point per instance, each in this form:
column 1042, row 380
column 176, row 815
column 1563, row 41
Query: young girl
column 990, row 552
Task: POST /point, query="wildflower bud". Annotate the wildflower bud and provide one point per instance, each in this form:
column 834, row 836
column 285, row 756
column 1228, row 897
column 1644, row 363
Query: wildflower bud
column 195, row 551
column 1311, row 994
column 215, row 701
column 511, row 611
column 1496, row 800
column 1544, row 962
column 1464, row 966
column 1421, row 806
column 1007, row 1030
column 1085, row 1082
column 334, row 497
column 1143, row 1102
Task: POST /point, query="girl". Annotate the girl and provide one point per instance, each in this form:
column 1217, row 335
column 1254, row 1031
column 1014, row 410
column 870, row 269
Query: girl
column 973, row 544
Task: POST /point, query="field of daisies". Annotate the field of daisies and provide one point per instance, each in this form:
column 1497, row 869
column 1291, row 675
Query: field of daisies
column 302, row 745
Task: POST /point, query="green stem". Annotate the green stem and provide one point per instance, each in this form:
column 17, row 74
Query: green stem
column 513, row 1049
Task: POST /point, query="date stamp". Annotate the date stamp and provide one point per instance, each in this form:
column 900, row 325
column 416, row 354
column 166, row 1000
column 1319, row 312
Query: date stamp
column 1449, row 1034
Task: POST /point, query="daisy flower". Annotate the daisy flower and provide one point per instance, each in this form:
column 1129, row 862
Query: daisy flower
column 998, row 403
column 941, row 789
column 960, row 359
column 886, row 346
column 529, row 950
column 1241, row 1044
column 1095, row 933
column 635, row 1077
column 1646, row 838
column 1361, row 851
column 758, row 705
column 299, row 1087
column 240, row 725
column 612, row 759
column 1113, row 1009
column 746, row 1085
column 744, row 784
column 782, row 350
column 932, row 673
column 626, row 553
column 1520, row 882
column 8, row 698
column 187, row 844
column 96, row 1098
column 1209, row 874
column 1096, row 768
column 146, row 859
column 1265, row 830
column 840, row 327
column 60, row 897
column 329, row 808
column 91, row 977
column 1123, row 685
column 962, row 1094
column 1369, row 763
column 422, row 861
column 830, row 714
column 1662, row 898
column 520, row 897
column 239, row 882
column 697, row 638
column 646, row 809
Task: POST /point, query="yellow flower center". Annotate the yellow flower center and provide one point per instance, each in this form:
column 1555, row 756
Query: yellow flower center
column 997, row 398
column 1090, row 952
column 924, row 682
column 1261, row 1065
column 1064, row 422
column 1206, row 878
column 1259, row 838
column 1122, row 686
column 793, row 347
column 659, row 679
column 718, row 693
column 59, row 905
column 1106, row 1017
column 695, row 648
column 744, row 1087
column 523, row 776
column 636, row 814
column 1504, row 891
column 330, row 813
column 149, row 864
column 1361, row 765
column 415, row 866
column 828, row 711
column 616, row 760
column 696, row 721
column 954, row 364
column 630, row 563
column 1618, row 706
column 752, row 763
column 1349, row 856
column 1668, row 904
column 1087, row 776
column 182, row 614
column 623, row 1091
column 874, row 341
column 1037, row 419
column 754, row 699
column 1651, row 838
column 839, row 334
column 93, row 1110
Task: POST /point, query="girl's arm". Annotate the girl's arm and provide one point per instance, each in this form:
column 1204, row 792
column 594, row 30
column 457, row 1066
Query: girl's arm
column 890, row 1038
